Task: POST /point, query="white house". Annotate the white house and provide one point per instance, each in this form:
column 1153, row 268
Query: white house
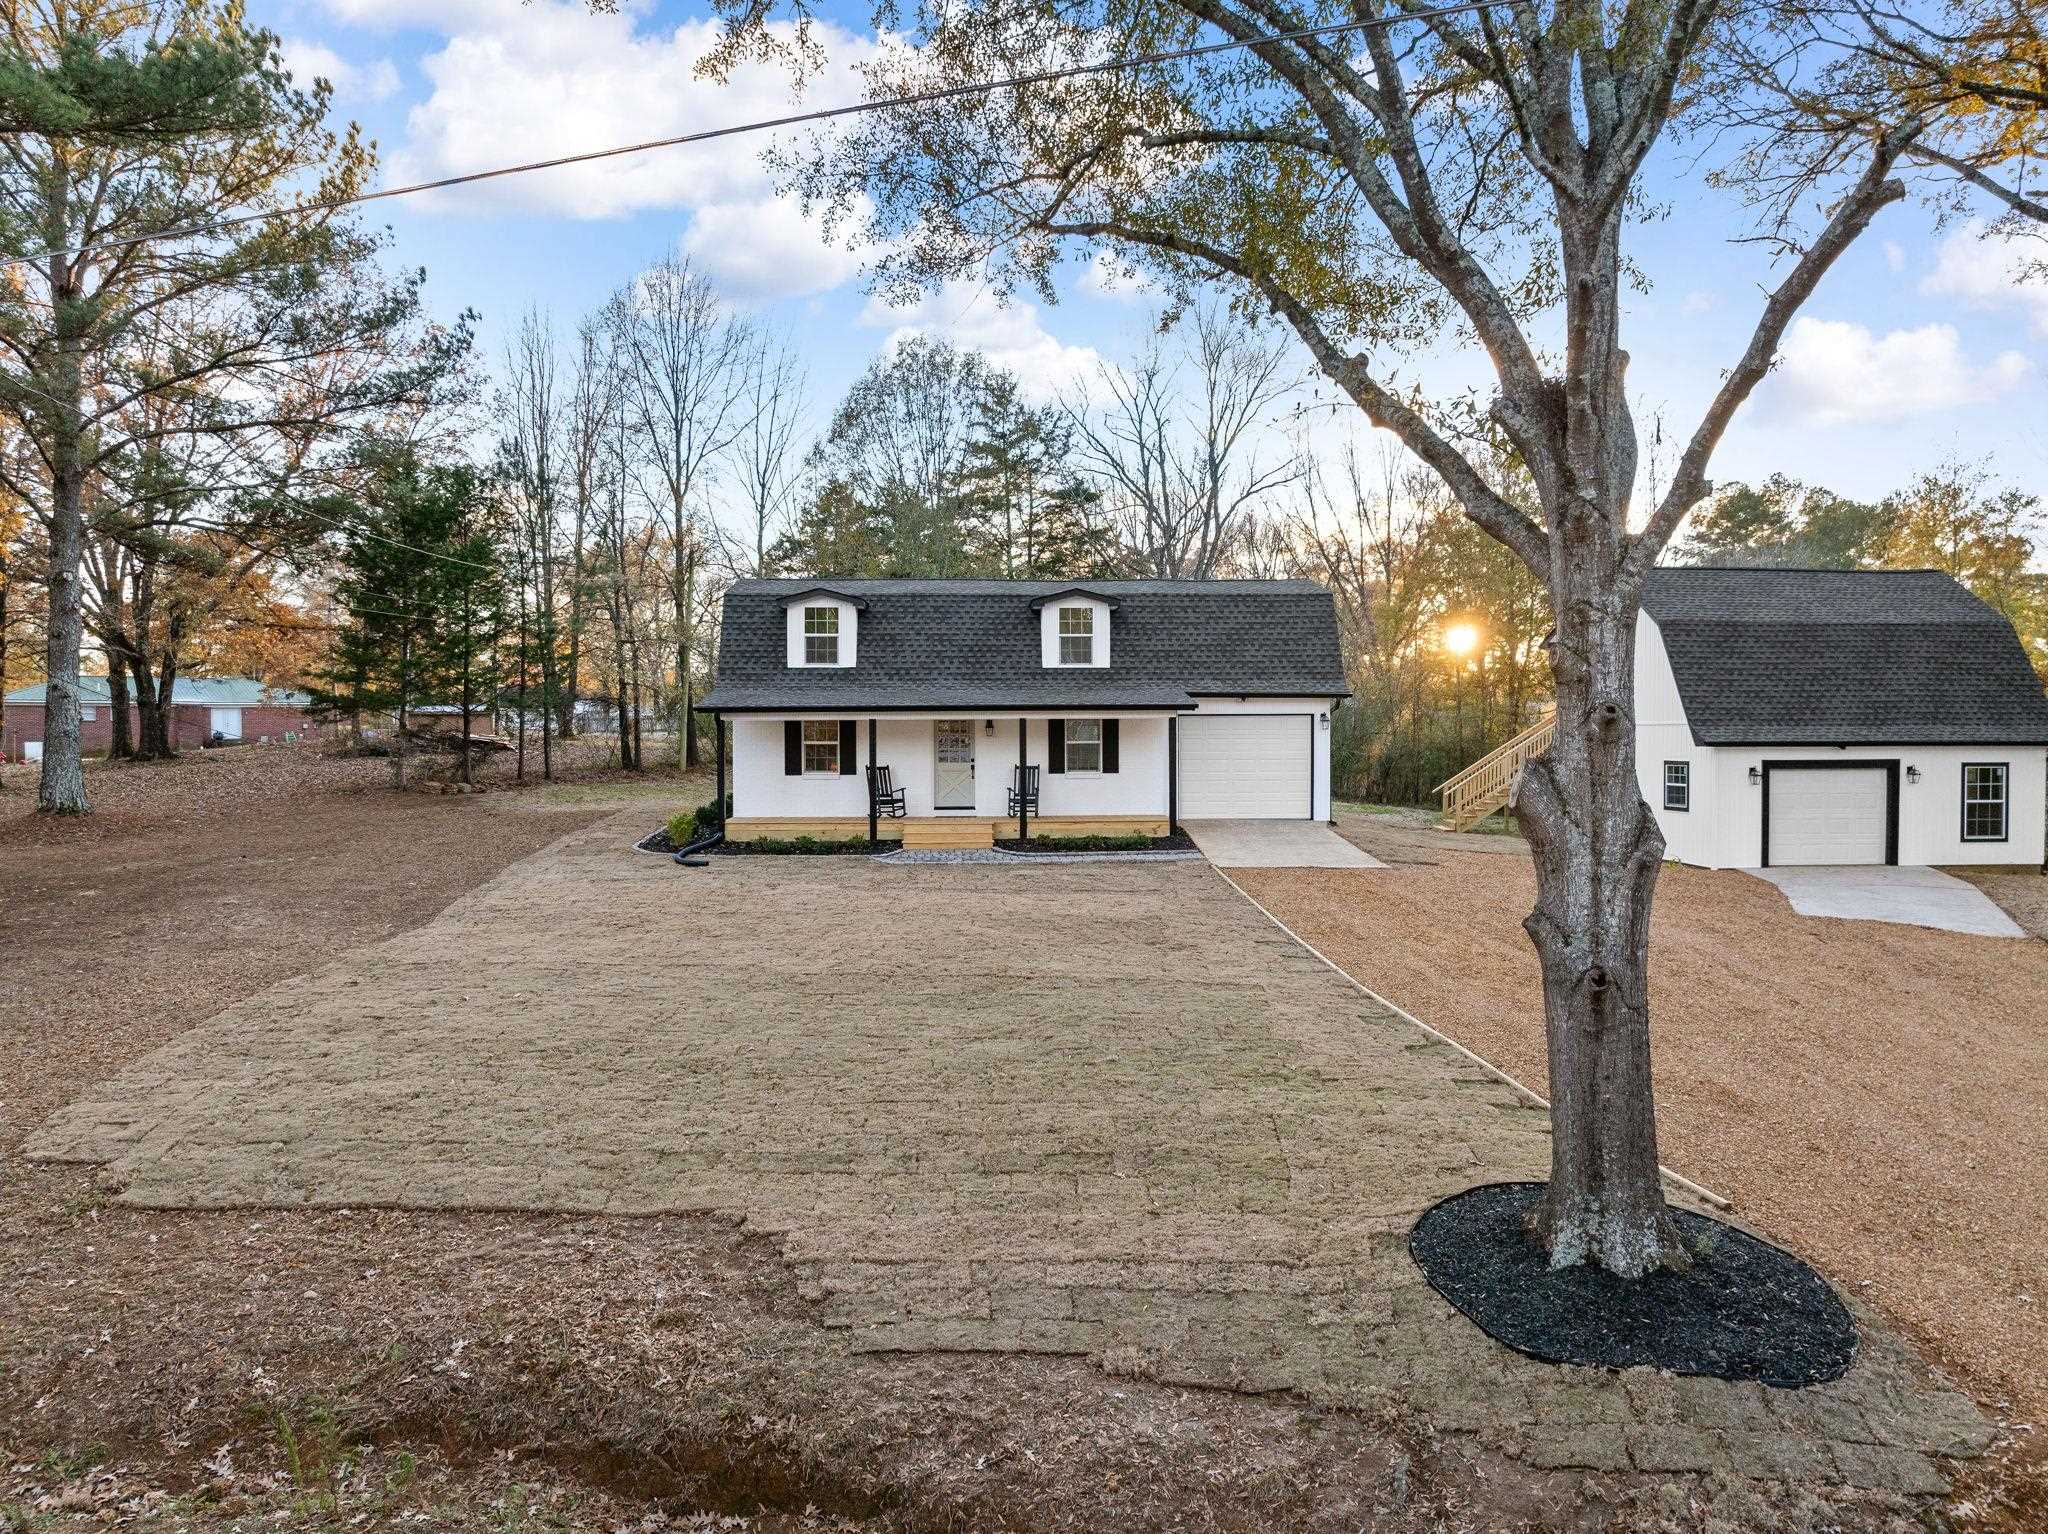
column 1138, row 704
column 1789, row 717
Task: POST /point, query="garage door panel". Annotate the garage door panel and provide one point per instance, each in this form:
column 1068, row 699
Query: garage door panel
column 1828, row 816
column 1246, row 766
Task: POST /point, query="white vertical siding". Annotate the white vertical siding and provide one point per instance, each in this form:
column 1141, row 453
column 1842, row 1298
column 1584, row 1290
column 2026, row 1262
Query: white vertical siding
column 1664, row 735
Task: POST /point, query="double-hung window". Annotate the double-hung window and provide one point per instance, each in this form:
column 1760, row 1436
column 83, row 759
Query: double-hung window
column 821, row 742
column 1077, row 636
column 821, row 636
column 1984, row 801
column 1084, row 745
column 1678, row 785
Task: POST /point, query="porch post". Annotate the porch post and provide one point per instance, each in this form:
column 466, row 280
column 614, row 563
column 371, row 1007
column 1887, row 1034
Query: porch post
column 874, row 835
column 719, row 720
column 1173, row 774
column 1023, row 761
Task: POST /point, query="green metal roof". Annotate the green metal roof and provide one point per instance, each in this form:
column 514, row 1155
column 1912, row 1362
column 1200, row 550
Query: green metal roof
column 205, row 691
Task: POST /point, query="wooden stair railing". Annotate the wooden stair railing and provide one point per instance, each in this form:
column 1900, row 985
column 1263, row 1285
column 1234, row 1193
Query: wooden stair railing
column 1470, row 796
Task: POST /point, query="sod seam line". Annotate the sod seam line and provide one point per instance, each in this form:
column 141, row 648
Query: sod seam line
column 1534, row 1099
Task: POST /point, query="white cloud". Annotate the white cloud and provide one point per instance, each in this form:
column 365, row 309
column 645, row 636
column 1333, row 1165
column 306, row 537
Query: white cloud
column 766, row 249
column 1837, row 373
column 1894, row 256
column 1009, row 333
column 1104, row 277
column 1991, row 272
column 308, row 61
column 530, row 81
column 1698, row 301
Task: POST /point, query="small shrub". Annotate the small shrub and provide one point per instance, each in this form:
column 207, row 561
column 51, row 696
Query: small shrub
column 687, row 825
column 1090, row 843
column 805, row 846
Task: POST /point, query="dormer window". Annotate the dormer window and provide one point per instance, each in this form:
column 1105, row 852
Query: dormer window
column 821, row 636
column 1077, row 636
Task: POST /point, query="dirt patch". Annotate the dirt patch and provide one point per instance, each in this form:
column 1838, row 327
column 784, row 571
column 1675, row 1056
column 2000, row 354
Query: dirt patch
column 1867, row 1093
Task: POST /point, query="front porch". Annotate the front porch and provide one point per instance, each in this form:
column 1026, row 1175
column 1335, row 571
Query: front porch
column 934, row 832
column 932, row 780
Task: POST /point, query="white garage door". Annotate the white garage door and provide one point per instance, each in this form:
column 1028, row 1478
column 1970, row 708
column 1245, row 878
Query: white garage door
column 1246, row 766
column 1827, row 816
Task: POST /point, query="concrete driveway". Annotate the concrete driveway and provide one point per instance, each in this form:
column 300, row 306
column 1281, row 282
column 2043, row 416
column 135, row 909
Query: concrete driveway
column 1275, row 844
column 1917, row 897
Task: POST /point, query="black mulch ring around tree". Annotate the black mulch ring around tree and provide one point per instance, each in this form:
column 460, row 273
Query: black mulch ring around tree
column 1745, row 1310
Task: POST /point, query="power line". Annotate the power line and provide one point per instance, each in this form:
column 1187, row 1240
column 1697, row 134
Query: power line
column 351, row 527
column 767, row 124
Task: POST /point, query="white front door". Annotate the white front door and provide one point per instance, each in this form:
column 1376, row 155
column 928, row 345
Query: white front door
column 954, row 784
column 226, row 723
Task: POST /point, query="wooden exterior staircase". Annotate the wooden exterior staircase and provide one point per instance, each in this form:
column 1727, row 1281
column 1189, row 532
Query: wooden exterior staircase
column 1486, row 785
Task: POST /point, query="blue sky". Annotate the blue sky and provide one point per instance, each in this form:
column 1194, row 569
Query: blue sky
column 1919, row 346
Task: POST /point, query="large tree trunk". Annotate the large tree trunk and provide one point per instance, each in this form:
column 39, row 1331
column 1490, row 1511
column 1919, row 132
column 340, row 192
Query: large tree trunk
column 61, row 790
column 1597, row 853
column 120, row 742
column 158, row 741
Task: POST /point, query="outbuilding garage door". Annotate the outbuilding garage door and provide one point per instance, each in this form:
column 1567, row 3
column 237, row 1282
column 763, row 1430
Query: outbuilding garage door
column 1827, row 815
column 1246, row 766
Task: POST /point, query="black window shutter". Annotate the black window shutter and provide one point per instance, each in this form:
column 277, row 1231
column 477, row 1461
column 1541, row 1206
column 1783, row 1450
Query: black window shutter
column 1109, row 745
column 1055, row 745
column 792, row 749
column 847, row 749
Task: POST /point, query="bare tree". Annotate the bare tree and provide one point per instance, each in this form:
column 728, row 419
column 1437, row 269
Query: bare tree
column 530, row 411
column 766, row 460
column 1173, row 441
column 686, row 397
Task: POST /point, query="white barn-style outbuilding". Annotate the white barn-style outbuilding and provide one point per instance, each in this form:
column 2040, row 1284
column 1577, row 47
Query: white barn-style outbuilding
column 1829, row 717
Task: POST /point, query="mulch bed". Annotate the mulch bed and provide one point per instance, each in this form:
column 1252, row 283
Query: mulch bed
column 1745, row 1310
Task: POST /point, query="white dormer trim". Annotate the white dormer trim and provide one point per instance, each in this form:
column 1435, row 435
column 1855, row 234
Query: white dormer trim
column 849, row 632
column 1049, row 631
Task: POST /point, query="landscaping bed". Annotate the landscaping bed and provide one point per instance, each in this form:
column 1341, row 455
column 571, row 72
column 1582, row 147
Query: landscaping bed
column 1179, row 841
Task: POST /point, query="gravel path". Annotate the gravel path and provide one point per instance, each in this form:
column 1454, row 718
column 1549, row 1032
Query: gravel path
column 1104, row 1110
column 1868, row 1093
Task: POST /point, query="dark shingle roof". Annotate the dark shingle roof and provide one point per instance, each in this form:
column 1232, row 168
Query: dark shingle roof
column 1843, row 657
column 975, row 645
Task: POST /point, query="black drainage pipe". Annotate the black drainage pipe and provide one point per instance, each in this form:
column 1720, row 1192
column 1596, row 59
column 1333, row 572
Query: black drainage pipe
column 685, row 856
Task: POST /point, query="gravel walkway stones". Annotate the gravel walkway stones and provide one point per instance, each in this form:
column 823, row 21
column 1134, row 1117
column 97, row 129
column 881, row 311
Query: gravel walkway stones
column 1105, row 1110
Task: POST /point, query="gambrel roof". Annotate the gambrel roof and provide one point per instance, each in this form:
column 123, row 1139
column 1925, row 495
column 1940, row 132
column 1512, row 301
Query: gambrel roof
column 1843, row 657
column 975, row 645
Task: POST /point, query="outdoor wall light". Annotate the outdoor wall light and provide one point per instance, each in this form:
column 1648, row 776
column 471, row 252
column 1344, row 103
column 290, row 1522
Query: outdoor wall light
column 1912, row 774
column 1756, row 776
column 988, row 727
column 1323, row 719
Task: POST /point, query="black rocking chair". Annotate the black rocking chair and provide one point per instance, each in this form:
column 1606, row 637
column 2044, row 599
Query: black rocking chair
column 1024, row 790
column 884, row 795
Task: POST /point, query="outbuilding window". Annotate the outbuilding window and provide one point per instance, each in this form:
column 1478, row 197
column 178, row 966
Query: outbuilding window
column 1984, row 801
column 1678, row 785
column 1077, row 636
column 821, row 740
column 821, row 636
column 1084, row 741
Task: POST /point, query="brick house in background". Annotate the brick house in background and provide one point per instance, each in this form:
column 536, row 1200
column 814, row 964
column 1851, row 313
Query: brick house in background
column 233, row 707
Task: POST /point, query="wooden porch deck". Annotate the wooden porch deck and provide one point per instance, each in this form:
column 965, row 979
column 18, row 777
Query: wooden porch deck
column 950, row 832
